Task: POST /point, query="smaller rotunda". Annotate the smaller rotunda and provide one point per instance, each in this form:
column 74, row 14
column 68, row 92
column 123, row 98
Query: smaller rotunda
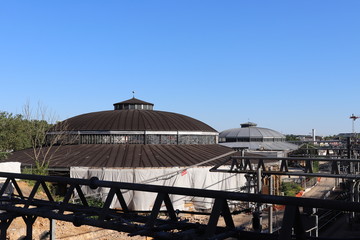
column 250, row 136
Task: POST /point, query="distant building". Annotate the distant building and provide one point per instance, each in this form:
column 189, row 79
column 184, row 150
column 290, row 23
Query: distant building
column 263, row 141
column 343, row 136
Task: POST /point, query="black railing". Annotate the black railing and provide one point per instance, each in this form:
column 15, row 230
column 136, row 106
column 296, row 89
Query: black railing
column 134, row 223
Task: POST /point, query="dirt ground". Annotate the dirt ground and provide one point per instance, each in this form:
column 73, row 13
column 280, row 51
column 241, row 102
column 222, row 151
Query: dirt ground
column 67, row 231
column 63, row 230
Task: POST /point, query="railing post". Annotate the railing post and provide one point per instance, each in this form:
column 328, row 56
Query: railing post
column 29, row 221
column 292, row 220
column 4, row 225
column 52, row 229
column 271, row 182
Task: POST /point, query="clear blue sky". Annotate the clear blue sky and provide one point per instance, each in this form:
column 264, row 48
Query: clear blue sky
column 286, row 65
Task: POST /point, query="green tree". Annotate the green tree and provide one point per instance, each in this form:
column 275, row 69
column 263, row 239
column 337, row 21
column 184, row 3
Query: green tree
column 30, row 130
column 13, row 133
column 291, row 137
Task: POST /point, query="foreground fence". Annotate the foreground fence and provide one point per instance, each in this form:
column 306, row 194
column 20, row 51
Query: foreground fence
column 135, row 223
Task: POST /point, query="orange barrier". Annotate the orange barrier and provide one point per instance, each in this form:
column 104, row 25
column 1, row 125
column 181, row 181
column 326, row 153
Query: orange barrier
column 299, row 194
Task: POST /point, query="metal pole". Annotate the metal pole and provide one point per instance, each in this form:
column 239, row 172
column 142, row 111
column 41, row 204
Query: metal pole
column 352, row 199
column 271, row 205
column 317, row 225
column 348, row 147
column 259, row 178
column 257, row 218
column 52, row 229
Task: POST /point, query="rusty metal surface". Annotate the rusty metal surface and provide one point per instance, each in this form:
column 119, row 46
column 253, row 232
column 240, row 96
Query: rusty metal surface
column 127, row 155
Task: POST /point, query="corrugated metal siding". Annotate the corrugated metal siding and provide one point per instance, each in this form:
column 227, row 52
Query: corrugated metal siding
column 127, row 156
column 275, row 146
column 252, row 132
column 134, row 120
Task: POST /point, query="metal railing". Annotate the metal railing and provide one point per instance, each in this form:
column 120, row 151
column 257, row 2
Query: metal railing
column 134, row 223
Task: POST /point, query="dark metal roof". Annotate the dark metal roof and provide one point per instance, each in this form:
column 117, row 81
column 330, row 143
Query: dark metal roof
column 134, row 101
column 251, row 132
column 127, row 156
column 272, row 146
column 134, row 120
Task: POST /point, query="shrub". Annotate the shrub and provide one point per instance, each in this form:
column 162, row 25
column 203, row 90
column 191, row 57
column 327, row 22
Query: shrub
column 290, row 188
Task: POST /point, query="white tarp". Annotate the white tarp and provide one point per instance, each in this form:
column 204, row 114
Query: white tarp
column 9, row 167
column 197, row 177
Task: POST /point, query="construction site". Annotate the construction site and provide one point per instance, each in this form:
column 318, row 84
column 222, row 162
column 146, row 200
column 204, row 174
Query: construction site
column 138, row 173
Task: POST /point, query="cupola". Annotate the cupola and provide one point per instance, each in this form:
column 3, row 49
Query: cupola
column 133, row 103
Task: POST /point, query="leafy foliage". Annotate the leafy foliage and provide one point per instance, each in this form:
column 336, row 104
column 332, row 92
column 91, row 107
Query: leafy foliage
column 290, row 188
column 94, row 202
column 14, row 133
column 19, row 132
column 307, row 149
column 291, row 137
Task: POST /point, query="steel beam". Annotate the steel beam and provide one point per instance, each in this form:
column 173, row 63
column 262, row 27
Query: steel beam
column 148, row 225
column 237, row 167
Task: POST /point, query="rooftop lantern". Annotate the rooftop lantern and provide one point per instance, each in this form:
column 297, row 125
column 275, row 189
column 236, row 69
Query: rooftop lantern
column 248, row 124
column 133, row 103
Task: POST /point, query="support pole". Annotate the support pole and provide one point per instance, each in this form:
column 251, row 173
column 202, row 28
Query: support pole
column 352, row 199
column 4, row 225
column 29, row 221
column 271, row 205
column 52, row 229
column 257, row 218
column 259, row 178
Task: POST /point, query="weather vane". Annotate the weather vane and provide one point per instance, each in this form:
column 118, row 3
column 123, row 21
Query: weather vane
column 133, row 92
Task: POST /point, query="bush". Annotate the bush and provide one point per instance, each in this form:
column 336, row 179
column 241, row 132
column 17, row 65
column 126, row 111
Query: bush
column 92, row 202
column 290, row 188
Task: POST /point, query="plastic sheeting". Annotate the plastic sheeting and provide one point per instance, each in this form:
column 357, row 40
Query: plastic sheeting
column 198, row 177
column 10, row 167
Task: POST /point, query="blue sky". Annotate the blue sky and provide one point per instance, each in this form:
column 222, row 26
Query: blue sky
column 287, row 65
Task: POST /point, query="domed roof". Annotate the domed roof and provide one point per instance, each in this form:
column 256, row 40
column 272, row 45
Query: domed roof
column 254, row 138
column 250, row 130
column 133, row 115
column 135, row 120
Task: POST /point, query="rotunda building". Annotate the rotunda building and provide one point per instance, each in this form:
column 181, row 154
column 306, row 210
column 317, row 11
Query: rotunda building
column 135, row 122
column 132, row 135
column 137, row 144
column 252, row 137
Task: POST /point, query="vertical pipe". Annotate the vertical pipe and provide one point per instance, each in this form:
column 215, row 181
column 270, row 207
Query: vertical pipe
column 348, row 147
column 259, row 185
column 52, row 229
column 352, row 198
column 317, row 225
column 257, row 218
column 271, row 205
